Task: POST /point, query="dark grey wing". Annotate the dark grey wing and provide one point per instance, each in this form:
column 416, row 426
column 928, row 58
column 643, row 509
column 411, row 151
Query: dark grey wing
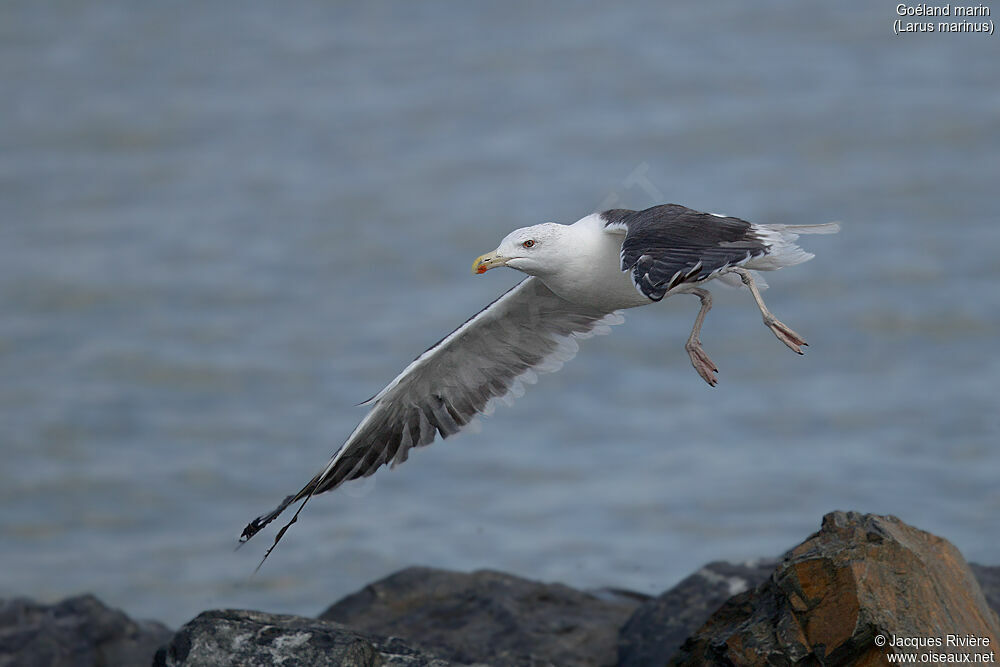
column 669, row 245
column 527, row 330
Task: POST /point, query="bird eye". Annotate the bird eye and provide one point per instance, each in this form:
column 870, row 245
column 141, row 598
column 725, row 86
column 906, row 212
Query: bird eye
column 528, row 243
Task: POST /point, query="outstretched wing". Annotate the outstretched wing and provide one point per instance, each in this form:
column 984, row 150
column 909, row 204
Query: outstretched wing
column 527, row 330
column 669, row 245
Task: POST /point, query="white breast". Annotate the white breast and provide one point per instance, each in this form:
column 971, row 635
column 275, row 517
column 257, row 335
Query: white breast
column 590, row 273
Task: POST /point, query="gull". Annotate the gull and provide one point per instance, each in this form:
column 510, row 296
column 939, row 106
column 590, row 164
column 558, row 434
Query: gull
column 580, row 277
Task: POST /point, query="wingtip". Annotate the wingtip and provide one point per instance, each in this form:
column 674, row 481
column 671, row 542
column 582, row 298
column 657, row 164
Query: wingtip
column 260, row 522
column 251, row 529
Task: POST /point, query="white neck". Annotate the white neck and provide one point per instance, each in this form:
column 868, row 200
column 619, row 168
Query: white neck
column 590, row 268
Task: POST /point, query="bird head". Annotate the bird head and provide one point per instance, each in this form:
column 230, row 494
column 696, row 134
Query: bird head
column 532, row 250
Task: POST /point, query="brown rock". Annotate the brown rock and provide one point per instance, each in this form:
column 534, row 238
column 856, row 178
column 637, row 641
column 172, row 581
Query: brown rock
column 860, row 577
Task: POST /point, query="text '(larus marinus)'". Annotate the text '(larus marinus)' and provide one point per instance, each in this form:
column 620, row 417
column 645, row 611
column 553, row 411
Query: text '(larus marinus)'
column 580, row 277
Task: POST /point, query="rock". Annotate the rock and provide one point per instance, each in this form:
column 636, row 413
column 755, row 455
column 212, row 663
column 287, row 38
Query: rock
column 490, row 617
column 658, row 628
column 79, row 631
column 255, row 639
column 989, row 581
column 824, row 602
column 858, row 578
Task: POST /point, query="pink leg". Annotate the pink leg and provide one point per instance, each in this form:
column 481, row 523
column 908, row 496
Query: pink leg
column 699, row 359
column 781, row 330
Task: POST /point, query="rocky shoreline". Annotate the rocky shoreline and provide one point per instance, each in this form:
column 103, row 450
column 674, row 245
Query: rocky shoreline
column 828, row 601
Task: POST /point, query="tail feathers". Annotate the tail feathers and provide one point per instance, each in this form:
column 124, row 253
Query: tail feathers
column 819, row 228
column 782, row 250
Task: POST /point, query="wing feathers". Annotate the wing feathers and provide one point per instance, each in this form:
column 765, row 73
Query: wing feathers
column 667, row 246
column 527, row 330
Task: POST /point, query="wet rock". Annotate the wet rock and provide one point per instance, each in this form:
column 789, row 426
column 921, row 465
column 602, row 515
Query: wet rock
column 79, row 631
column 490, row 617
column 255, row 639
column 658, row 628
column 858, row 578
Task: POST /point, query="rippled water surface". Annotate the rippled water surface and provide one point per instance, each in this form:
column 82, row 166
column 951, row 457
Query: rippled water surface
column 221, row 228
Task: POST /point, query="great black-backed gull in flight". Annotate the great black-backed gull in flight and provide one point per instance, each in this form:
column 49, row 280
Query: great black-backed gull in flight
column 580, row 277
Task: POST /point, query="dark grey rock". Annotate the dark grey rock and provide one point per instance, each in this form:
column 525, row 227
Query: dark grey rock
column 255, row 639
column 989, row 581
column 658, row 628
column 77, row 632
column 490, row 617
column 436, row 618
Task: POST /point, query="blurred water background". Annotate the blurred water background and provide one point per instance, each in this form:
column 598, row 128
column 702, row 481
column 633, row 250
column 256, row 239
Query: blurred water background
column 223, row 226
